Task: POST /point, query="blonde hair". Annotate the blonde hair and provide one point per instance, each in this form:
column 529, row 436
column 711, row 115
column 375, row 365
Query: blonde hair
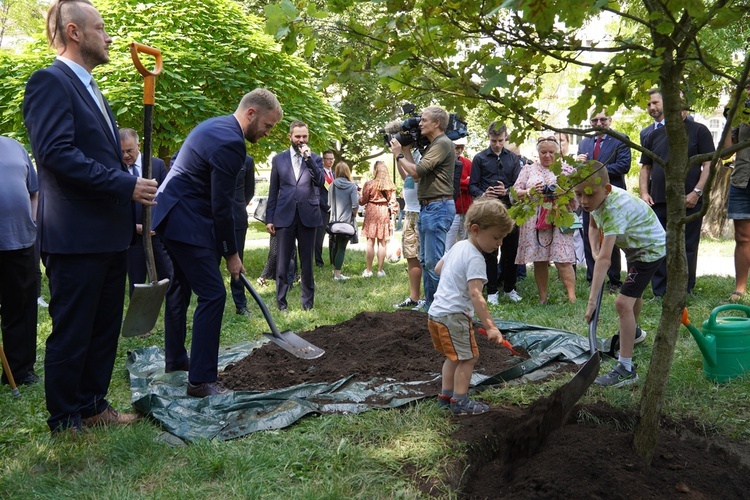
column 380, row 179
column 487, row 213
column 342, row 170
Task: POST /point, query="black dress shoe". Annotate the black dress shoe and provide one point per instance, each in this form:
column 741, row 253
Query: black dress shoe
column 185, row 367
column 27, row 379
column 243, row 311
column 206, row 389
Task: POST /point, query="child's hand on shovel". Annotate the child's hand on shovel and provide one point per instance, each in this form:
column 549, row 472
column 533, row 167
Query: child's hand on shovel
column 502, row 341
column 493, row 335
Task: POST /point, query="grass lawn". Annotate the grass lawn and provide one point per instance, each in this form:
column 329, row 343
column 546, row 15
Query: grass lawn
column 361, row 456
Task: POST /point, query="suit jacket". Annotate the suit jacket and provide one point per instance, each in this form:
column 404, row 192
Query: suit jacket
column 159, row 172
column 286, row 194
column 195, row 204
column 243, row 193
column 325, row 208
column 613, row 154
column 85, row 201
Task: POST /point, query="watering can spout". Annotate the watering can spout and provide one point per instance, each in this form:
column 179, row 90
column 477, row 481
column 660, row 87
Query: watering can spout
column 706, row 343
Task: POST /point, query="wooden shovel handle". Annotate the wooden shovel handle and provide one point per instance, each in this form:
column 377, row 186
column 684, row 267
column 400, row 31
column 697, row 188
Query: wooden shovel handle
column 149, row 77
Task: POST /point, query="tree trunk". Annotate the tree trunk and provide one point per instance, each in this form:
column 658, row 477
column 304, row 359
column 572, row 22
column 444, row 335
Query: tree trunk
column 715, row 222
column 655, row 386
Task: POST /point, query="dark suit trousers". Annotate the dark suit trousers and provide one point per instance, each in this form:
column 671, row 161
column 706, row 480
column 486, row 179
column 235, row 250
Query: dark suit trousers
column 285, row 240
column 615, row 267
column 137, row 262
column 692, row 239
column 320, row 233
column 18, row 310
column 490, row 260
column 238, row 289
column 196, row 269
column 508, row 252
column 87, row 293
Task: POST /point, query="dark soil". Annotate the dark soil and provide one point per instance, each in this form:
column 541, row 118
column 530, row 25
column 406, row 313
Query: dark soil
column 590, row 457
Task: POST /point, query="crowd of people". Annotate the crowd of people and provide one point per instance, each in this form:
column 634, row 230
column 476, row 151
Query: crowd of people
column 84, row 217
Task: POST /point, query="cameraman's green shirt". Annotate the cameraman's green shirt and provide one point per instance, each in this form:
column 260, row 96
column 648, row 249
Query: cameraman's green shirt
column 435, row 169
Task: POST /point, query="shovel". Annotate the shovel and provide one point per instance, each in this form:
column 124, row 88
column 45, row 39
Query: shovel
column 9, row 375
column 505, row 344
column 287, row 340
column 145, row 304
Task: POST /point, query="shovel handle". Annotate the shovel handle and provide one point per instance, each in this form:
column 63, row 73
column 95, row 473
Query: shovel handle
column 149, row 77
column 504, row 343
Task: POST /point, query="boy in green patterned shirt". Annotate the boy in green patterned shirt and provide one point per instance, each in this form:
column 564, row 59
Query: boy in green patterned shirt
column 629, row 223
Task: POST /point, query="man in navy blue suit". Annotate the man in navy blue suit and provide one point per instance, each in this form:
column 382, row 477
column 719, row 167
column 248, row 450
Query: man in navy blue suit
column 615, row 156
column 293, row 211
column 195, row 220
column 131, row 155
column 85, row 217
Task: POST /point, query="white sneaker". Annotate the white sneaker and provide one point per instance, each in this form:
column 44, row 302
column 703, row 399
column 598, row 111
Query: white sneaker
column 41, row 302
column 513, row 296
column 340, row 278
column 492, row 299
column 381, row 274
column 366, row 274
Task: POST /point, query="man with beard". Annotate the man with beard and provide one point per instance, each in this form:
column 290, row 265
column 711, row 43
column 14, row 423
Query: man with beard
column 85, row 217
column 195, row 220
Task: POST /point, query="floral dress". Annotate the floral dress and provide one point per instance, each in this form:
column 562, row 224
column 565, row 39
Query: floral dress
column 378, row 209
column 548, row 244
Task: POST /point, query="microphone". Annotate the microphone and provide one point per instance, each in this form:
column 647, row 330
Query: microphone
column 393, row 127
column 306, row 153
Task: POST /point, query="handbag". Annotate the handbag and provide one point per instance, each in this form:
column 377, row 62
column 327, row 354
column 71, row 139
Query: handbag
column 260, row 210
column 541, row 219
column 338, row 227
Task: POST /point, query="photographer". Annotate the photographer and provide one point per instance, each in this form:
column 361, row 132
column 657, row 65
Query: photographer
column 493, row 171
column 434, row 174
column 539, row 244
column 738, row 206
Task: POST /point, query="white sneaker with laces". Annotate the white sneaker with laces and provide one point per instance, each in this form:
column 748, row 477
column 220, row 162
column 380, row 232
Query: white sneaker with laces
column 381, row 274
column 406, row 303
column 366, row 274
column 492, row 299
column 41, row 302
column 513, row 296
column 340, row 278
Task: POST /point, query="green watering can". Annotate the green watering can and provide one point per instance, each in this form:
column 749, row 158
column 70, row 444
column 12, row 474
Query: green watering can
column 724, row 342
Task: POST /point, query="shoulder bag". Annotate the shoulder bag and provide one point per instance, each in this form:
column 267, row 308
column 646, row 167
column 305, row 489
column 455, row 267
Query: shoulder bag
column 337, row 227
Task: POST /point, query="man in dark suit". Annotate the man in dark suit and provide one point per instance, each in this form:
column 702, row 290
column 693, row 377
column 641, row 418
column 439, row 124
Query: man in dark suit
column 195, row 220
column 85, row 217
column 244, row 189
column 293, row 211
column 615, row 156
column 131, row 155
column 325, row 211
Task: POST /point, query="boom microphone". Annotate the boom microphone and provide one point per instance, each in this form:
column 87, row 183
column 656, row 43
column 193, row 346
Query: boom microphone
column 393, row 127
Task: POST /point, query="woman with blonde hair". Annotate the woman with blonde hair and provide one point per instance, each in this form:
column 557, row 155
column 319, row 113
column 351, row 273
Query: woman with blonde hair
column 379, row 199
column 342, row 198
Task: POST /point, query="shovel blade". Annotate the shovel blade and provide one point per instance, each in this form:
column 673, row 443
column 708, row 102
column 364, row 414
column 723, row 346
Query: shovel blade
column 293, row 343
column 577, row 386
column 144, row 308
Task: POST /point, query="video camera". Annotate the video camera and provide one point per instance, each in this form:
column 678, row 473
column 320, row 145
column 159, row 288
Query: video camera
column 407, row 132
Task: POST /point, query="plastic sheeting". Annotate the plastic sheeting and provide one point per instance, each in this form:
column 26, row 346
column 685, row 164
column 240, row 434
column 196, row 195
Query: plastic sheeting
column 163, row 395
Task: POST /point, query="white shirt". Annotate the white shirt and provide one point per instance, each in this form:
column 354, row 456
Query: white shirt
column 296, row 162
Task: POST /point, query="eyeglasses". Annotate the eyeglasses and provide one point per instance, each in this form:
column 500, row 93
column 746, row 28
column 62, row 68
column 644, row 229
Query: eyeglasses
column 543, row 139
column 599, row 120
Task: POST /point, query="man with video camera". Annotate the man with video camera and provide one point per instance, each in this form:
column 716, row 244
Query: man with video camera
column 434, row 173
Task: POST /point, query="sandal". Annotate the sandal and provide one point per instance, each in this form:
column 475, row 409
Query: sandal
column 735, row 296
column 261, row 281
column 468, row 407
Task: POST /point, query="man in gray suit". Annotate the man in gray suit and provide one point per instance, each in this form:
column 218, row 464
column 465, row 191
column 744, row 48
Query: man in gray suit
column 293, row 211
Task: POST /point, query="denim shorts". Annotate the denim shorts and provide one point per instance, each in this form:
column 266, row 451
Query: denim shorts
column 739, row 203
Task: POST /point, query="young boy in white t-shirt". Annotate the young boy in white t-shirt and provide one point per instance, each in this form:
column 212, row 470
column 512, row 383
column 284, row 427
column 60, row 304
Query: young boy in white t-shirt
column 629, row 223
column 463, row 273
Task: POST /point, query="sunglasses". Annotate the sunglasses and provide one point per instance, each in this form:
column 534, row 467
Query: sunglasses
column 543, row 139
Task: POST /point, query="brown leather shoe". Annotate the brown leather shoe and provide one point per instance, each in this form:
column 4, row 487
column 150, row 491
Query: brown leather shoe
column 206, row 389
column 110, row 416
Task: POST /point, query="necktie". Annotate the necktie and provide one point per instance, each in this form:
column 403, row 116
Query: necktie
column 102, row 106
column 659, row 125
column 329, row 177
column 297, row 165
column 597, row 147
column 135, row 172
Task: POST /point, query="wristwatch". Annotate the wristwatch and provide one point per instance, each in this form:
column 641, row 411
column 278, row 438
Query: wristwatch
column 699, row 192
column 400, row 155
